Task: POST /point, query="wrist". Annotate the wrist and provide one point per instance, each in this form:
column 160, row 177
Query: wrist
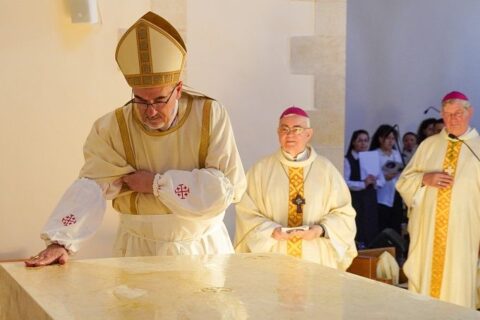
column 322, row 231
column 58, row 245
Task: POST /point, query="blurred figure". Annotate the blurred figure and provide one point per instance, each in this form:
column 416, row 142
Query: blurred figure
column 441, row 188
column 409, row 141
column 426, row 129
column 364, row 195
column 390, row 211
column 439, row 125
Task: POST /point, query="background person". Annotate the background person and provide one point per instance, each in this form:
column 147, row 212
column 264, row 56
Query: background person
column 294, row 188
column 390, row 211
column 441, row 186
column 409, row 141
column 426, row 129
column 363, row 193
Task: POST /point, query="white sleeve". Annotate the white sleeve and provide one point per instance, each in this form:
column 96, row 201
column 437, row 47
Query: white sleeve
column 77, row 216
column 352, row 185
column 197, row 194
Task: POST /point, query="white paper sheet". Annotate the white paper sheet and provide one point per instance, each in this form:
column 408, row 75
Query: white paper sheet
column 369, row 164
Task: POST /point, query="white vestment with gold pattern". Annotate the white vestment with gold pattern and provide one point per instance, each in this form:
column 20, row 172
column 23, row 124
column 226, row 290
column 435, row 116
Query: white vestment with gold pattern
column 265, row 206
column 444, row 226
column 187, row 216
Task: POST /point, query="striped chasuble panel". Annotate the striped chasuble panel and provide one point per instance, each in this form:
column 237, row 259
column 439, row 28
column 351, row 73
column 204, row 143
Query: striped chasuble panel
column 442, row 212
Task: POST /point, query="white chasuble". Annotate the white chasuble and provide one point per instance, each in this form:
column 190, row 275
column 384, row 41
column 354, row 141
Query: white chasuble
column 187, row 215
column 267, row 204
column 444, row 224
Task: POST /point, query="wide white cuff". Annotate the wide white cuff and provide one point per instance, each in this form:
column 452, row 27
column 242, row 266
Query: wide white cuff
column 77, row 216
column 197, row 194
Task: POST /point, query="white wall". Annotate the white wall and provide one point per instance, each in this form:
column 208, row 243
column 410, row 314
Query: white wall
column 58, row 77
column 404, row 55
column 239, row 54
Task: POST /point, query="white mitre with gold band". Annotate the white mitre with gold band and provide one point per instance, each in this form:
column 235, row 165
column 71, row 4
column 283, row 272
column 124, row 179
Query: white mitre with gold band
column 151, row 53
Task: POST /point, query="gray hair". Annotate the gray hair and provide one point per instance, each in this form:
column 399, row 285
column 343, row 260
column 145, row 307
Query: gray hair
column 307, row 120
column 465, row 104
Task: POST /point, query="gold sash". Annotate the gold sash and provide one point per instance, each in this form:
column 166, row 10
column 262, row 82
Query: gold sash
column 130, row 154
column 295, row 219
column 442, row 212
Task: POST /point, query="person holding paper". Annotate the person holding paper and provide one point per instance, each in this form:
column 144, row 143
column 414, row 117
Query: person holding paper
column 292, row 188
column 441, row 187
column 362, row 190
column 390, row 207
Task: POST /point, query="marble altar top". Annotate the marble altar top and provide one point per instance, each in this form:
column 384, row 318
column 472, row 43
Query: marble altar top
column 253, row 286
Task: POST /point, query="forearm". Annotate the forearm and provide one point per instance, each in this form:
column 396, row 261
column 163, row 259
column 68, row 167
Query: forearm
column 77, row 216
column 196, row 194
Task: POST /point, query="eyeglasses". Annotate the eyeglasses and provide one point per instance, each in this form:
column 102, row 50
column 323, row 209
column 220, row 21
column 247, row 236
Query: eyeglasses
column 296, row 130
column 456, row 115
column 157, row 104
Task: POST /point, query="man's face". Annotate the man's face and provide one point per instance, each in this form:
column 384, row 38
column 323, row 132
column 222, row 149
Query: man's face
column 409, row 142
column 294, row 134
column 456, row 118
column 156, row 105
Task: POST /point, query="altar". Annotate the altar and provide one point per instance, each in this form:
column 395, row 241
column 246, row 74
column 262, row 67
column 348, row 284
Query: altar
column 243, row 286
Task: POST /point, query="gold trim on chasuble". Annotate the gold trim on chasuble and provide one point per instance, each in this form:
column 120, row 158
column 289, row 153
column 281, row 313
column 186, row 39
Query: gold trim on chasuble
column 127, row 144
column 442, row 212
column 205, row 138
column 129, row 155
column 295, row 218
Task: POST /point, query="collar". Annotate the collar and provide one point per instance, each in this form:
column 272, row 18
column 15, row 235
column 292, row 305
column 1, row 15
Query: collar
column 310, row 157
column 355, row 154
column 299, row 157
column 469, row 134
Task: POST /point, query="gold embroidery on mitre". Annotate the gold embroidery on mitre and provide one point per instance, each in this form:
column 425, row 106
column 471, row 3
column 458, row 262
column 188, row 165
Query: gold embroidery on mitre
column 295, row 219
column 442, row 212
column 151, row 53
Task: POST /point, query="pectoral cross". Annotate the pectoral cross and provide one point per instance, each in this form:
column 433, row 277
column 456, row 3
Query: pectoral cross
column 298, row 201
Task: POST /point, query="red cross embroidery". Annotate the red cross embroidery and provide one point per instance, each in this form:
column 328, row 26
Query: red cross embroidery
column 182, row 191
column 68, row 220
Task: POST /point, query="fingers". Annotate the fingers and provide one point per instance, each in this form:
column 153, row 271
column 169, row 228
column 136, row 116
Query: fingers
column 40, row 260
column 438, row 180
column 51, row 255
column 63, row 259
column 443, row 181
column 299, row 234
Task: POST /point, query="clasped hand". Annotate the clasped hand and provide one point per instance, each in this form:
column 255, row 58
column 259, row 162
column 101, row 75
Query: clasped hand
column 370, row 180
column 313, row 232
column 139, row 181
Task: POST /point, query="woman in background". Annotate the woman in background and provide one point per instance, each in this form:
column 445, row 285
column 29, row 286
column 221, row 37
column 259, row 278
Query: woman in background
column 364, row 195
column 410, row 143
column 426, row 129
column 390, row 209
